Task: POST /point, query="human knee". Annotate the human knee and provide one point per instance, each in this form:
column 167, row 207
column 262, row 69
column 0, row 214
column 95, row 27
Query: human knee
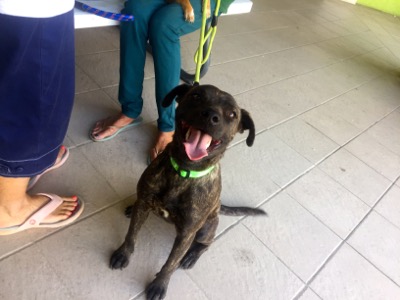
column 133, row 7
column 165, row 24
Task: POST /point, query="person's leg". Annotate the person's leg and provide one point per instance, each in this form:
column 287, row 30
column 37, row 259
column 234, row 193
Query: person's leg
column 37, row 97
column 133, row 41
column 36, row 94
column 167, row 25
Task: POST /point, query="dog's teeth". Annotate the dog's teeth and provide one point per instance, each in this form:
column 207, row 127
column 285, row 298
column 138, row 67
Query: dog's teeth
column 188, row 133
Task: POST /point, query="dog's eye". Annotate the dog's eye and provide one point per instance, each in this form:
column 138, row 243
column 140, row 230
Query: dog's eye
column 233, row 115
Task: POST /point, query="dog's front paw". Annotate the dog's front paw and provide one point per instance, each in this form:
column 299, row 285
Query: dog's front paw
column 188, row 12
column 128, row 211
column 208, row 12
column 189, row 15
column 119, row 259
column 208, row 9
column 156, row 290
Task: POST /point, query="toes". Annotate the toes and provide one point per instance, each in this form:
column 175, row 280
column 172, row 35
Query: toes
column 128, row 211
column 102, row 125
column 61, row 152
column 189, row 16
column 68, row 206
column 153, row 154
column 99, row 126
column 65, row 214
column 119, row 260
column 70, row 201
column 104, row 133
column 156, row 291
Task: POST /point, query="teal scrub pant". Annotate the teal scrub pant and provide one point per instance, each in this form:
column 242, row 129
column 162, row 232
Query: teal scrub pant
column 161, row 24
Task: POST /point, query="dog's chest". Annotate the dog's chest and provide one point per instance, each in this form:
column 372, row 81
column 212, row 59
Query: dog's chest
column 186, row 195
column 173, row 197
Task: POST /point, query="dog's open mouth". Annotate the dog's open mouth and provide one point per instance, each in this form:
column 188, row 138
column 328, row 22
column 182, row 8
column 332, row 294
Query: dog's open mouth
column 198, row 144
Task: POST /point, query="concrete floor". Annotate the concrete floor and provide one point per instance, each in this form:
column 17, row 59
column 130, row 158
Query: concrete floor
column 321, row 80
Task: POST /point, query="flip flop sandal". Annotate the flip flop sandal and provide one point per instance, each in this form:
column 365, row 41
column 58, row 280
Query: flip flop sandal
column 135, row 122
column 35, row 220
column 33, row 180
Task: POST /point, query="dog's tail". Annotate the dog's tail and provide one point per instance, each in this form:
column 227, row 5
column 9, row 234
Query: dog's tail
column 241, row 211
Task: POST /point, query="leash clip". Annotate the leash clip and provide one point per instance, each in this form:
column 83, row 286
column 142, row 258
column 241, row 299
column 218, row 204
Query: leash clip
column 186, row 173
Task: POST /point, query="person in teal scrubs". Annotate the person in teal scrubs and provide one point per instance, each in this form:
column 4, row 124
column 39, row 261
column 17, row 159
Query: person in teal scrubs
column 162, row 24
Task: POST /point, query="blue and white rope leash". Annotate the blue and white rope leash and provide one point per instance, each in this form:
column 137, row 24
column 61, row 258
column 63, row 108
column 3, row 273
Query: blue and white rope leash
column 104, row 14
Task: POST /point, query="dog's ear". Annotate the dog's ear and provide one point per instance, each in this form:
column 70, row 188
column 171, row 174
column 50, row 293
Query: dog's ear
column 178, row 92
column 248, row 124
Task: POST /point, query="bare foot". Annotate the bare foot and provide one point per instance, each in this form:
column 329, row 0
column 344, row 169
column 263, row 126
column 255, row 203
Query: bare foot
column 163, row 139
column 107, row 127
column 30, row 204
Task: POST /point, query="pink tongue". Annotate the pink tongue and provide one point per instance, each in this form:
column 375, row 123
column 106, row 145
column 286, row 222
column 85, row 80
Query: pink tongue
column 197, row 144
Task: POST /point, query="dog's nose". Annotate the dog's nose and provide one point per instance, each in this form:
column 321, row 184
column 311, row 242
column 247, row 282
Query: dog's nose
column 211, row 116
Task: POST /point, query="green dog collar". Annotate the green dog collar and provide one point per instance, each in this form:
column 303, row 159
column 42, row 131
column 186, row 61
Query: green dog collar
column 188, row 173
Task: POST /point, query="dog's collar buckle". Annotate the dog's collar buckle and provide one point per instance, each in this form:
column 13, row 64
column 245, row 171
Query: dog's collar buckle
column 188, row 173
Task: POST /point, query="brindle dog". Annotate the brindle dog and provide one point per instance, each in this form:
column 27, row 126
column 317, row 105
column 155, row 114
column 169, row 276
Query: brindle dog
column 183, row 184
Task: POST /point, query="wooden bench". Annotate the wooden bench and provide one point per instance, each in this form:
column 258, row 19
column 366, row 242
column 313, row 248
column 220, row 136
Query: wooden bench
column 87, row 20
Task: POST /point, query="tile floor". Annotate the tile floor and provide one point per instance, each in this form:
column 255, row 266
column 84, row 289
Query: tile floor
column 321, row 79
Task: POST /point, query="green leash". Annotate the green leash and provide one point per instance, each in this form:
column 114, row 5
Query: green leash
column 199, row 58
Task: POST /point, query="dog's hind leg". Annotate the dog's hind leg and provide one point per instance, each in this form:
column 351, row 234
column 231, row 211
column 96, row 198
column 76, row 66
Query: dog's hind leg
column 139, row 214
column 204, row 238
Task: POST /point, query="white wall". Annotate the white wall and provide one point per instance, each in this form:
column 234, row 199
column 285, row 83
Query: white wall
column 350, row 1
